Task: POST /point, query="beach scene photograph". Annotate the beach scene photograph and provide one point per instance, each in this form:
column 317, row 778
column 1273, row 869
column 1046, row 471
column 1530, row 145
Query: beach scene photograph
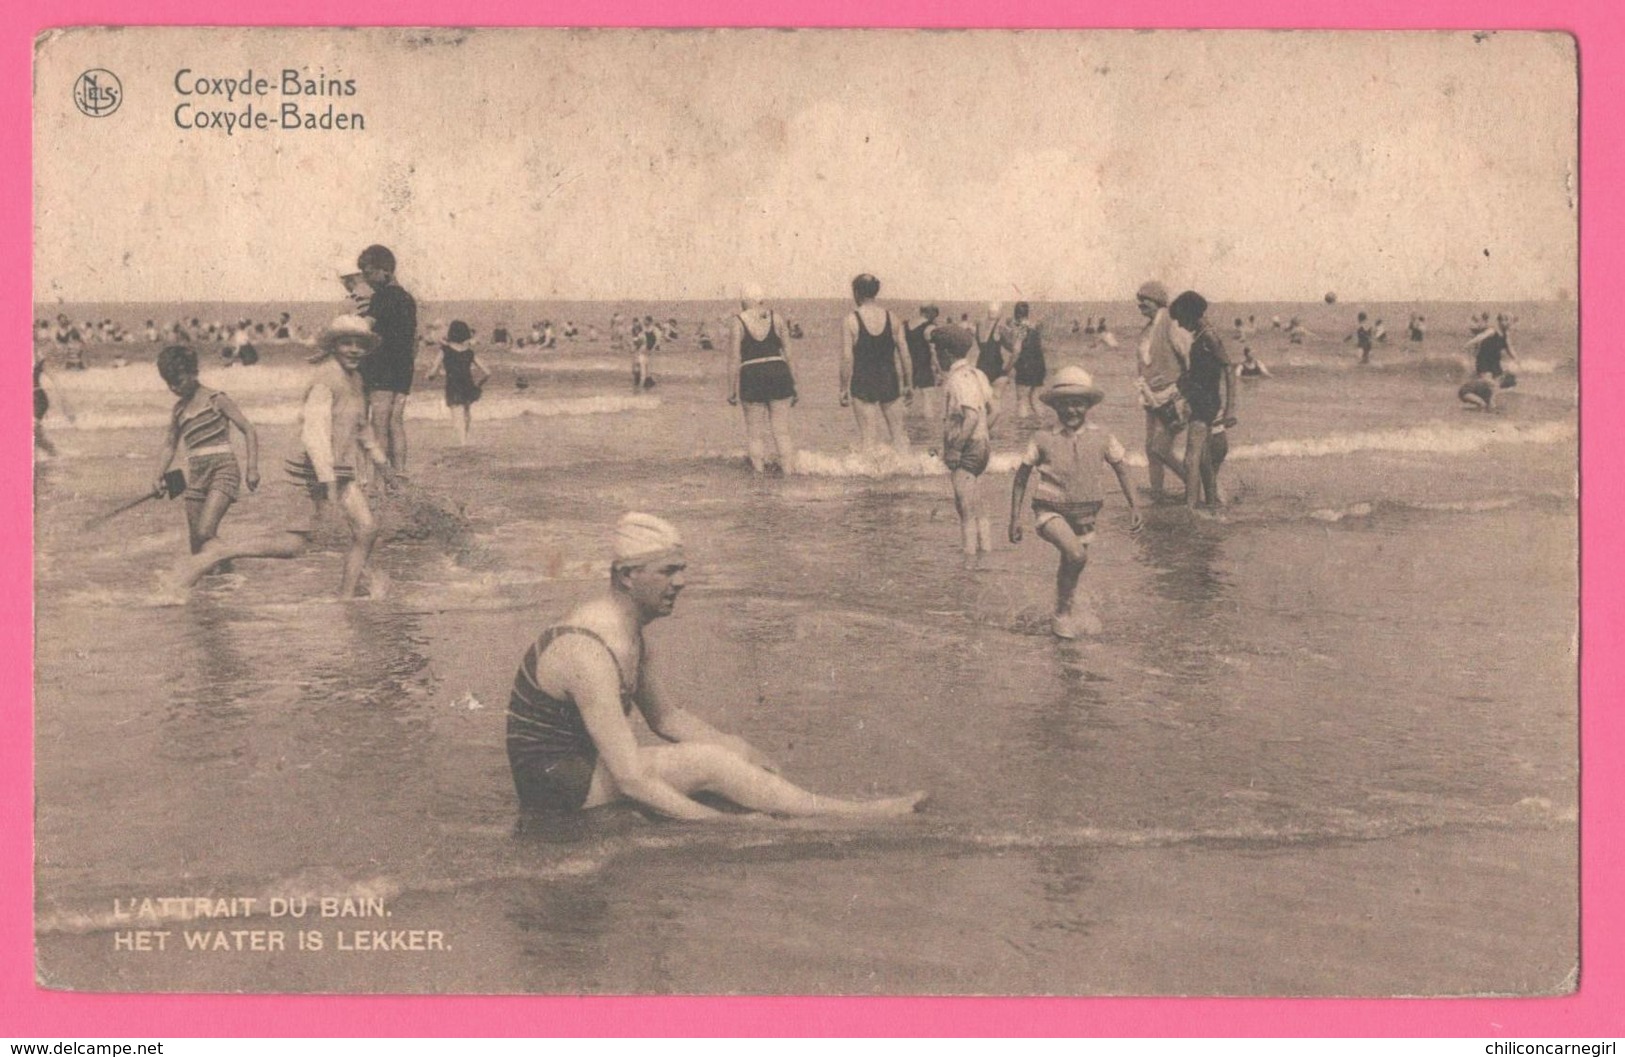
column 827, row 512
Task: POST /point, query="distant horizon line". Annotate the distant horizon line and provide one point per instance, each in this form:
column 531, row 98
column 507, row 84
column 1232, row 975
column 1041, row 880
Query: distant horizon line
column 924, row 299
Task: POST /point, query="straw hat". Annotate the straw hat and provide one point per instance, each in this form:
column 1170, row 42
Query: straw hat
column 1154, row 292
column 344, row 327
column 1073, row 383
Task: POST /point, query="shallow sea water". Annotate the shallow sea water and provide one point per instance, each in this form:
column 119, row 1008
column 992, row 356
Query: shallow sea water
column 1324, row 745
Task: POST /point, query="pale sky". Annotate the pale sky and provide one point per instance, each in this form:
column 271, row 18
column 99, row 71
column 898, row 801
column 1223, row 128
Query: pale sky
column 521, row 164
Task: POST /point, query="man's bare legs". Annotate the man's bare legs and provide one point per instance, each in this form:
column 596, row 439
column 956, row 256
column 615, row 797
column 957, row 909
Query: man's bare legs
column 701, row 768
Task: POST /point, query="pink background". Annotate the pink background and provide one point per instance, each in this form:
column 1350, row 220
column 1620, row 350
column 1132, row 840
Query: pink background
column 1595, row 1010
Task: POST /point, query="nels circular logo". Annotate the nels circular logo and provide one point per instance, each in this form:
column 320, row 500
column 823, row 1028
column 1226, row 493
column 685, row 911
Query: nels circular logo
column 97, row 93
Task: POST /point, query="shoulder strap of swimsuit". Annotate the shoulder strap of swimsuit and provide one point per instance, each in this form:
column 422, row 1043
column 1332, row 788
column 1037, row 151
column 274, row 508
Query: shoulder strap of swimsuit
column 547, row 638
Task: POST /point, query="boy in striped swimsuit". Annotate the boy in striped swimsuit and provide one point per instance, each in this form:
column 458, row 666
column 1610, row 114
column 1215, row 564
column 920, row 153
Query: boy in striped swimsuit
column 202, row 422
column 334, row 434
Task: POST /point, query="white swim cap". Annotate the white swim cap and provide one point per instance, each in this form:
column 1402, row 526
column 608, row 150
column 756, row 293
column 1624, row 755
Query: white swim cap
column 751, row 294
column 641, row 539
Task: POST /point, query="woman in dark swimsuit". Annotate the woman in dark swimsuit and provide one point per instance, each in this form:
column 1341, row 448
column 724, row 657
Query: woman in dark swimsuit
column 875, row 370
column 764, row 382
column 994, row 354
column 923, row 361
column 1029, row 368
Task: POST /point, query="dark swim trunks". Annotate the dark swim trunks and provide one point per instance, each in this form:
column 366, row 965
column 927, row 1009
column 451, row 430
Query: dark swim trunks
column 560, row 786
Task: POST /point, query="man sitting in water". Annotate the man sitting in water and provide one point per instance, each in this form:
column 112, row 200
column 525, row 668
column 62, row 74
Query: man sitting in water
column 570, row 742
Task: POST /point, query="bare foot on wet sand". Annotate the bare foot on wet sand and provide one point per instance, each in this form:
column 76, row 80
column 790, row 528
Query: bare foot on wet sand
column 894, row 806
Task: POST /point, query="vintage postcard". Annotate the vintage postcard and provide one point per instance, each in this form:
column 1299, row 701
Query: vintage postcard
column 806, row 512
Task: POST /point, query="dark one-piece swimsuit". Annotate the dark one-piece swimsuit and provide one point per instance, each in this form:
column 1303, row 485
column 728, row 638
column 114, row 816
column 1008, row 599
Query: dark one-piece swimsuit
column 551, row 754
column 874, row 364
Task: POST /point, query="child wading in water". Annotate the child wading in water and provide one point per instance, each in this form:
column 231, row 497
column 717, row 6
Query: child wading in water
column 465, row 377
column 334, row 434
column 1208, row 386
column 202, row 422
column 968, row 409
column 1068, row 496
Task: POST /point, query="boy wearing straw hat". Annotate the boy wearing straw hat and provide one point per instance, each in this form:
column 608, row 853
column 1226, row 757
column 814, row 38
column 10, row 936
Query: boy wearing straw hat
column 334, row 433
column 1068, row 496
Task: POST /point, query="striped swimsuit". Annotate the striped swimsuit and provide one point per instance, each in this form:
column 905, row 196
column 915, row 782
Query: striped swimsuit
column 549, row 750
column 211, row 466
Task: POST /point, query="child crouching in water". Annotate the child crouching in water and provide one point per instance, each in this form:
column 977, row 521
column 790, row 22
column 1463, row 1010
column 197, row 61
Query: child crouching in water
column 1068, row 496
column 202, row 422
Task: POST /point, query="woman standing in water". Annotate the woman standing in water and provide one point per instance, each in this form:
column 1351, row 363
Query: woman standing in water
column 994, row 354
column 764, row 382
column 1029, row 368
column 875, row 369
column 923, row 361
